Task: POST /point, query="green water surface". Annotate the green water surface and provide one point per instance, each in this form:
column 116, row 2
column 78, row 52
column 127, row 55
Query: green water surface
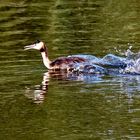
column 105, row 107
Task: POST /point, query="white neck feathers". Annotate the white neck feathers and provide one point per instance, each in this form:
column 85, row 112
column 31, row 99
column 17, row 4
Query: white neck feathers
column 46, row 60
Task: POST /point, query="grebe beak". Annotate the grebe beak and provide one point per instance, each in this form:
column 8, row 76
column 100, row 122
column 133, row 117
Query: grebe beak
column 33, row 46
column 37, row 45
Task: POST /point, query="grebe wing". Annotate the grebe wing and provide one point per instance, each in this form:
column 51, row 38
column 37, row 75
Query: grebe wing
column 67, row 60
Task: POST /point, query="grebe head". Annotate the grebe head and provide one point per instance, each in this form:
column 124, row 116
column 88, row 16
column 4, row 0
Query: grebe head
column 38, row 45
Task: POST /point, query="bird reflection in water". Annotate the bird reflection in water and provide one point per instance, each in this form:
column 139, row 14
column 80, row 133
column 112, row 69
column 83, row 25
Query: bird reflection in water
column 127, row 83
column 38, row 93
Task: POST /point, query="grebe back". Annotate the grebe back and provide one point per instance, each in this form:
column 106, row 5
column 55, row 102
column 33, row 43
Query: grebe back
column 59, row 63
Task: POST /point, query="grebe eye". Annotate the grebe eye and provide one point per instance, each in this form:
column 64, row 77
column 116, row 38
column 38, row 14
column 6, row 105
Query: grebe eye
column 37, row 41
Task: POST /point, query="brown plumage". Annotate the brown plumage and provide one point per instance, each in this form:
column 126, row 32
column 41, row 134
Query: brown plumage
column 66, row 60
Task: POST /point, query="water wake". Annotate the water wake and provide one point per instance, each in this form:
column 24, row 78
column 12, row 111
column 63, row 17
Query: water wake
column 109, row 64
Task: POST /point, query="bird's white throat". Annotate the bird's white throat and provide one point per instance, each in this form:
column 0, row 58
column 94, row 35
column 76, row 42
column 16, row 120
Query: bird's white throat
column 46, row 60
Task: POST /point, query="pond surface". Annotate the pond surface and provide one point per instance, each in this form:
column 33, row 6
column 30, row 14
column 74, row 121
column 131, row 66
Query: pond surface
column 36, row 104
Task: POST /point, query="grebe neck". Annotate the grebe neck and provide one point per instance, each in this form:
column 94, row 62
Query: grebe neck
column 46, row 60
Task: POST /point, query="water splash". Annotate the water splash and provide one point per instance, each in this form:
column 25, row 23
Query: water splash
column 109, row 64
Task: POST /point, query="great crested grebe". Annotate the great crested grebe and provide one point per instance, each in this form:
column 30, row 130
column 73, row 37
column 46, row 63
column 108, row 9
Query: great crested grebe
column 59, row 63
